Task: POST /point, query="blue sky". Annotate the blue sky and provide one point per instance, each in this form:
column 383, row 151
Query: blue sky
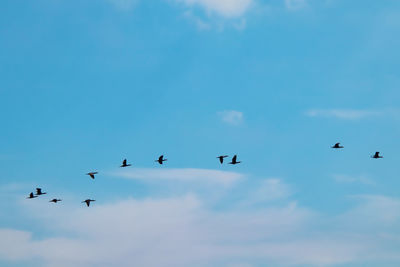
column 85, row 84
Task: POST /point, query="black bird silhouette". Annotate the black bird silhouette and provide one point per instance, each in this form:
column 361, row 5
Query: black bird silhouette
column 337, row 145
column 39, row 192
column 91, row 174
column 87, row 201
column 234, row 160
column 161, row 159
column 124, row 164
column 55, row 200
column 376, row 156
column 31, row 195
column 221, row 158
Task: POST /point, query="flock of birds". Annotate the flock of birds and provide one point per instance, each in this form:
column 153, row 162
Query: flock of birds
column 161, row 160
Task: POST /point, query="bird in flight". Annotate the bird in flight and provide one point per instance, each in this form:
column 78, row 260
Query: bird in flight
column 234, row 160
column 376, row 156
column 124, row 164
column 337, row 145
column 55, row 200
column 87, row 201
column 91, row 174
column 39, row 192
column 31, row 195
column 161, row 159
column 221, row 158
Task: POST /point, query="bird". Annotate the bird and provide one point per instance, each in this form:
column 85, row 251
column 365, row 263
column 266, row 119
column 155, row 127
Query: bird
column 55, row 200
column 337, row 145
column 376, row 156
column 31, row 195
column 39, row 192
column 221, row 158
column 91, row 174
column 234, row 161
column 124, row 164
column 161, row 159
column 87, row 201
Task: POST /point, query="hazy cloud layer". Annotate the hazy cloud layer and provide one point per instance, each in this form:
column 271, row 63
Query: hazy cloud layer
column 185, row 231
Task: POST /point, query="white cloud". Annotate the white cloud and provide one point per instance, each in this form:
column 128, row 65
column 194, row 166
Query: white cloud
column 16, row 245
column 225, row 8
column 231, row 117
column 347, row 114
column 183, row 175
column 295, row 4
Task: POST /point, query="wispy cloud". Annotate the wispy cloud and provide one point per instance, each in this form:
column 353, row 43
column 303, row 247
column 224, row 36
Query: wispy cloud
column 373, row 212
column 200, row 23
column 224, row 8
column 295, row 4
column 341, row 178
column 231, row 117
column 347, row 114
column 268, row 190
column 124, row 4
column 217, row 14
column 183, row 175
